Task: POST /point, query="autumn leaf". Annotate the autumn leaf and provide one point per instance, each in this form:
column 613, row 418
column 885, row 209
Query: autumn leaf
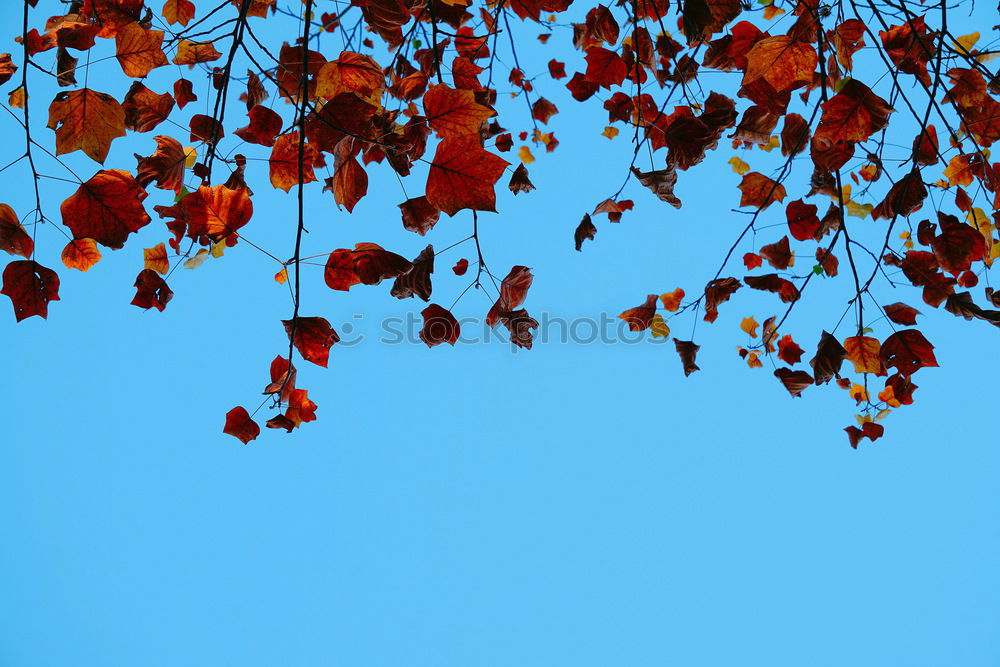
column 14, row 240
column 907, row 351
column 717, row 292
column 179, row 11
column 661, row 182
column 640, row 317
column 795, row 381
column 452, row 113
column 86, row 120
column 900, row 313
column 789, row 351
column 830, row 355
column 687, row 351
column 863, row 352
column 760, row 191
column 155, row 259
column 107, row 208
column 367, row 264
column 265, row 126
column 165, row 166
column 749, row 325
column 238, row 421
column 313, row 337
column 462, row 176
column 144, row 109
column 853, row 114
column 416, row 281
column 440, row 326
column 772, row 282
column 776, row 66
column 139, row 50
column 151, row 291
column 461, row 266
column 30, row 287
column 192, row 53
column 209, row 215
column 672, row 300
column 585, row 230
column 284, row 162
column 418, row 215
column 513, row 292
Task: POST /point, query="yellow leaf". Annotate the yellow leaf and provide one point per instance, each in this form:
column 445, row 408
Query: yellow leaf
column 966, row 42
column 771, row 12
column 882, row 414
column 857, row 210
column 771, row 144
column 155, row 258
column 858, row 393
column 672, row 300
column 659, row 327
column 863, row 419
column 218, row 248
column 749, row 325
column 739, row 166
column 197, row 260
column 525, row 154
column 281, row 277
column 987, row 57
column 610, row 132
column 190, row 156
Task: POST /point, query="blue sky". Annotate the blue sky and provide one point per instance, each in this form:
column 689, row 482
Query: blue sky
column 572, row 505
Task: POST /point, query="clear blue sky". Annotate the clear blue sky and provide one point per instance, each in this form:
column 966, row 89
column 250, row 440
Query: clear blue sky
column 580, row 505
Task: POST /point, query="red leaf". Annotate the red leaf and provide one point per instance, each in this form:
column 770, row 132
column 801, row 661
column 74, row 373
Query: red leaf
column 264, row 127
column 789, row 351
column 461, row 266
column 417, row 281
column 900, row 313
column 151, row 291
column 462, row 176
column 14, row 239
column 716, row 292
column 440, row 326
column 795, row 381
column 240, row 425
column 367, row 264
column 803, row 223
column 907, row 351
column 418, row 215
column 313, row 338
column 107, row 208
column 30, row 287
column 513, row 292
column 771, row 282
column 640, row 317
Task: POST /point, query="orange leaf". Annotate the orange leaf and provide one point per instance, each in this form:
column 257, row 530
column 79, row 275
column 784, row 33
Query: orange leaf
column 863, row 352
column 284, row 162
column 672, row 300
column 452, row 113
column 179, row 11
column 86, row 120
column 139, row 50
column 80, row 254
column 165, row 166
column 462, row 176
column 107, row 208
column 209, row 214
column 155, row 259
column 760, row 191
column 191, row 53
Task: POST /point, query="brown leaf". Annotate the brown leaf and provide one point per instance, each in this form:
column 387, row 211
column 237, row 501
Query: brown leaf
column 30, row 287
